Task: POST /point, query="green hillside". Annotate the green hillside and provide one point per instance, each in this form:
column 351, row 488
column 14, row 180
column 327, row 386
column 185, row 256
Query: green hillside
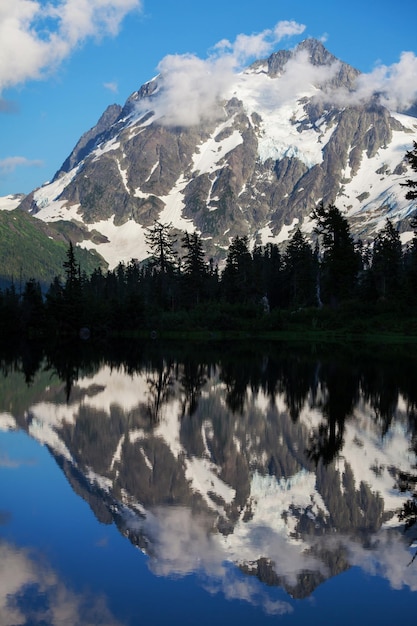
column 29, row 248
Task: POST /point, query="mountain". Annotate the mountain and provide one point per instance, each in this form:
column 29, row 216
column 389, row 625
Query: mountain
column 284, row 134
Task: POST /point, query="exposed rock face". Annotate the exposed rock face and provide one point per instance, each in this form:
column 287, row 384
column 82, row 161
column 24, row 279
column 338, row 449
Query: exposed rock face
column 258, row 171
column 91, row 138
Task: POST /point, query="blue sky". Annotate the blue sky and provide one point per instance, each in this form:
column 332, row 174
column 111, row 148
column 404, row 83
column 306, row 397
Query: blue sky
column 62, row 62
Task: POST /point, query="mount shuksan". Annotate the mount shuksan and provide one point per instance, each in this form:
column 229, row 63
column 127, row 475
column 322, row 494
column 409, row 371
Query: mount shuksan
column 287, row 132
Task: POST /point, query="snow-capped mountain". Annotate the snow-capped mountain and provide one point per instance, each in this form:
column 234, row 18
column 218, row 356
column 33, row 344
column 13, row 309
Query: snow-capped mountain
column 252, row 158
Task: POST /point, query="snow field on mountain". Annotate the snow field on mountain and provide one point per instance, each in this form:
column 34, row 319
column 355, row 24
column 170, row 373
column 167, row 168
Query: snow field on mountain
column 372, row 179
column 45, row 434
column 46, row 197
column 270, row 532
column 126, row 242
column 209, row 154
column 110, row 387
column 201, row 474
column 10, row 202
column 371, row 456
column 279, row 136
column 174, row 206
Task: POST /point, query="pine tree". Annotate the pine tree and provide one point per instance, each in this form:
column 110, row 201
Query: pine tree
column 299, row 272
column 163, row 265
column 272, row 274
column 387, row 261
column 194, row 269
column 161, row 243
column 237, row 278
column 72, row 305
column 71, row 268
column 340, row 261
column 32, row 307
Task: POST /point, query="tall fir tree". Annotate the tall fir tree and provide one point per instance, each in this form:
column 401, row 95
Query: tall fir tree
column 340, row 262
column 299, row 272
column 193, row 269
column 387, row 262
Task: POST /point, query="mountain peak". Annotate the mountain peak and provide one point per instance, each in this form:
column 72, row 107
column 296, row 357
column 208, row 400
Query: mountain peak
column 318, row 54
column 89, row 139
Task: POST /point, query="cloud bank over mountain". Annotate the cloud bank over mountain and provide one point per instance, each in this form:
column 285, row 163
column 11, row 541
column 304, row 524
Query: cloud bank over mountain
column 191, row 89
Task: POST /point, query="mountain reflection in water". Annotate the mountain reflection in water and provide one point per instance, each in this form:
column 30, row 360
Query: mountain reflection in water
column 282, row 465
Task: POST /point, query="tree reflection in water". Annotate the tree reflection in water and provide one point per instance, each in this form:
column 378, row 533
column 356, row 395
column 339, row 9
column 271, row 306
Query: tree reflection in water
column 263, row 444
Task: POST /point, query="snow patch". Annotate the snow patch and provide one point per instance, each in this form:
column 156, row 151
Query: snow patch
column 51, row 191
column 202, row 475
column 45, row 435
column 10, row 202
column 103, row 148
column 113, row 387
column 211, row 152
column 174, row 206
column 126, row 242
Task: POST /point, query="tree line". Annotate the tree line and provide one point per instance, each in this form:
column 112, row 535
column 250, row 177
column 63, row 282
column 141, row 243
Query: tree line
column 332, row 272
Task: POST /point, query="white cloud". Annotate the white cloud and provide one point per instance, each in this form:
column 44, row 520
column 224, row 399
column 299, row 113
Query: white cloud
column 19, row 569
column 298, row 75
column 389, row 558
column 9, row 164
column 36, row 36
column 184, row 543
column 246, row 47
column 112, row 86
column 191, row 88
column 287, row 29
column 395, row 85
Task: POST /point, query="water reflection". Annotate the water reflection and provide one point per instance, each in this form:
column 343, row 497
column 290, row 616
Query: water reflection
column 32, row 593
column 286, row 466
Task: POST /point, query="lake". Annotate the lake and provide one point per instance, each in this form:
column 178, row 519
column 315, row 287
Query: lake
column 201, row 483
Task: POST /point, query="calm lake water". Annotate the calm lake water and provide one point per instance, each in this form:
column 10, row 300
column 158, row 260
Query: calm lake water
column 207, row 483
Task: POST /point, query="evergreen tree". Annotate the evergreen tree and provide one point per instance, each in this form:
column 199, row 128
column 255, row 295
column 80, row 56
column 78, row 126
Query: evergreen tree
column 410, row 267
column 161, row 244
column 340, row 261
column 299, row 272
column 55, row 302
column 163, row 264
column 71, row 268
column 72, row 292
column 387, row 261
column 9, row 312
column 194, row 269
column 272, row 275
column 32, row 307
column 237, row 278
